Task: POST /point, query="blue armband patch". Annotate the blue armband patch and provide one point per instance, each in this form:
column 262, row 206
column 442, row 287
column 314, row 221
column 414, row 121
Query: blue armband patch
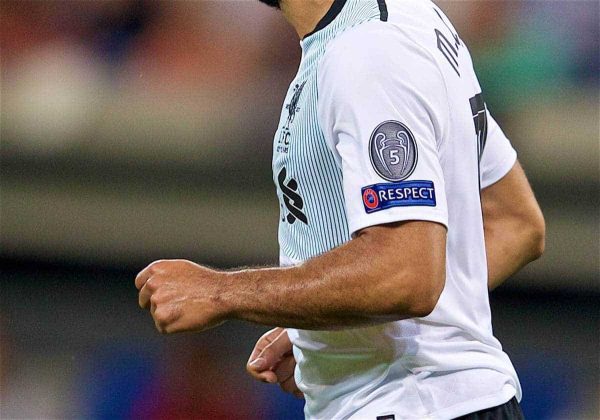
column 398, row 194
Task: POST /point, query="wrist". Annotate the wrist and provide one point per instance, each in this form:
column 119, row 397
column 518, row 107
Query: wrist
column 244, row 291
column 230, row 293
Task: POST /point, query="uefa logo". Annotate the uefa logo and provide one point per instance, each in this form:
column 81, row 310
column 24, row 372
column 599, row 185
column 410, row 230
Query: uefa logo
column 393, row 151
column 370, row 199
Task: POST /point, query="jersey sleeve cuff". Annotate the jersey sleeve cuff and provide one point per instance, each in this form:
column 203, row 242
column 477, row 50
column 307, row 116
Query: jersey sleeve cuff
column 391, row 217
column 500, row 169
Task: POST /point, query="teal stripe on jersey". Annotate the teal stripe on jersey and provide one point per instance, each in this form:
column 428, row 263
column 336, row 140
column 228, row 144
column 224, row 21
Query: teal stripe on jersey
column 312, row 188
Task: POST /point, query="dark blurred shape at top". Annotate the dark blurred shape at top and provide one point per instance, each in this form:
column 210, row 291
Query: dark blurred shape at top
column 118, row 23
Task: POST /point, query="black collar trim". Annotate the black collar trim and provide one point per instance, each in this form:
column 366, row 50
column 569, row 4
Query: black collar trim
column 331, row 14
column 383, row 13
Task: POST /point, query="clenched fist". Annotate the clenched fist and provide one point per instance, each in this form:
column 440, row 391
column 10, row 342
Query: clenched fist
column 181, row 295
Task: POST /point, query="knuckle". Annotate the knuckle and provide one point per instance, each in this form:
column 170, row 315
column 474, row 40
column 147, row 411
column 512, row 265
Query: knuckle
column 153, row 283
column 150, row 284
column 154, row 299
column 157, row 265
column 161, row 317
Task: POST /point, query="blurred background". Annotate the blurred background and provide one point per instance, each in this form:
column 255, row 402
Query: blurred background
column 136, row 130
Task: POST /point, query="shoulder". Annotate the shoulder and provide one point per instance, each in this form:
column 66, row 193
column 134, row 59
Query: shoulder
column 363, row 45
column 379, row 55
column 376, row 49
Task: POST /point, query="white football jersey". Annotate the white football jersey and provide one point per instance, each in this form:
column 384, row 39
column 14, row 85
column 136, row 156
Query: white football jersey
column 384, row 122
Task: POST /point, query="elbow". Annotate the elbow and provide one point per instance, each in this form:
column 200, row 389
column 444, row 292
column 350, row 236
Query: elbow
column 539, row 245
column 412, row 289
column 425, row 302
column 424, row 294
column 537, row 237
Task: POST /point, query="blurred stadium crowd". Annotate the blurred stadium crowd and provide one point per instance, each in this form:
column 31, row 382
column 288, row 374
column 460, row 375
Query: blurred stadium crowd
column 133, row 130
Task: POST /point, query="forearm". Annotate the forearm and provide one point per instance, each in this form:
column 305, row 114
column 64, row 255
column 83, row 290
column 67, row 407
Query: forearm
column 352, row 285
column 513, row 224
column 311, row 296
column 509, row 245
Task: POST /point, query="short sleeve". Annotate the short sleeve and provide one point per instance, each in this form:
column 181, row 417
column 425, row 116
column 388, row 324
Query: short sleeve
column 382, row 107
column 498, row 155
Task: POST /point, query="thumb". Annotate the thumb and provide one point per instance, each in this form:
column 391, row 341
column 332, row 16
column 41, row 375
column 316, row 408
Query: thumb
column 276, row 350
column 259, row 368
column 259, row 364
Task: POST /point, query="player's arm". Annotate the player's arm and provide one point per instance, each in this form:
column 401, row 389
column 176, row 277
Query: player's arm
column 360, row 283
column 513, row 222
column 514, row 236
column 394, row 267
column 514, row 226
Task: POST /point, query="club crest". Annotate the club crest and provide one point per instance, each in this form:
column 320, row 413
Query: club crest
column 393, row 151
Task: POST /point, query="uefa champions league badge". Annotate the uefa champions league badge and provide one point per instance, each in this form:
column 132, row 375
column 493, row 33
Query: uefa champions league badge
column 393, row 151
column 383, row 196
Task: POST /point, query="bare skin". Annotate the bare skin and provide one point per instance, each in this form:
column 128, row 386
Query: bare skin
column 329, row 291
column 514, row 236
column 272, row 361
column 304, row 15
column 514, row 226
column 359, row 283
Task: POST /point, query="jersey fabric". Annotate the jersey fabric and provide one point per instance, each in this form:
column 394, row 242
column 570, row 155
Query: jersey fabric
column 385, row 122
